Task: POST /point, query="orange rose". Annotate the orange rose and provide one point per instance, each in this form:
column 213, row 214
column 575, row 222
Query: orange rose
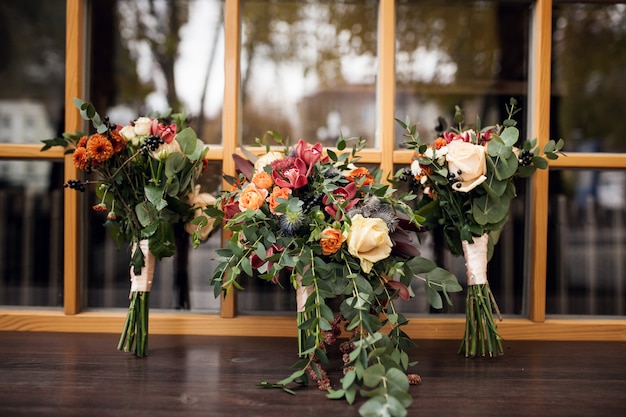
column 263, row 180
column 251, row 197
column 331, row 240
column 278, row 192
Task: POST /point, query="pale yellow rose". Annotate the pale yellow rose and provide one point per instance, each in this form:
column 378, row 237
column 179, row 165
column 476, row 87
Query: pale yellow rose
column 369, row 241
column 199, row 201
column 267, row 159
column 467, row 162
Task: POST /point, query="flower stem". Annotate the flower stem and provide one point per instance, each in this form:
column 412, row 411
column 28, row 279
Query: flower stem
column 480, row 327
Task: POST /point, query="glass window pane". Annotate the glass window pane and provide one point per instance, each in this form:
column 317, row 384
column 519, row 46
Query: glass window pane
column 587, row 243
column 32, row 70
column 149, row 56
column 468, row 53
column 31, row 233
column 588, row 94
column 309, row 69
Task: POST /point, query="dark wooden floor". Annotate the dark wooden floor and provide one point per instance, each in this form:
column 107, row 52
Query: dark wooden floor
column 47, row 374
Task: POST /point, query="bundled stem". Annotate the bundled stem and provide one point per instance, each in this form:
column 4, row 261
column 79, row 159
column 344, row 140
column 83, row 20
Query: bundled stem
column 134, row 336
column 480, row 328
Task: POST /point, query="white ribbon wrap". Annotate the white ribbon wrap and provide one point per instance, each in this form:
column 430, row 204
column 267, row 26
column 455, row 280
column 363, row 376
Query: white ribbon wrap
column 302, row 294
column 476, row 260
column 143, row 281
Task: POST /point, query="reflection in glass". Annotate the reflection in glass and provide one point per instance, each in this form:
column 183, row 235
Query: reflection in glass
column 308, row 69
column 32, row 69
column 587, row 243
column 468, row 53
column 149, row 56
column 31, row 233
column 589, row 94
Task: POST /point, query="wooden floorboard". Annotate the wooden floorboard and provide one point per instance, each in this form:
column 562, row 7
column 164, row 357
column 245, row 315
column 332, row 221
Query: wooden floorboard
column 61, row 374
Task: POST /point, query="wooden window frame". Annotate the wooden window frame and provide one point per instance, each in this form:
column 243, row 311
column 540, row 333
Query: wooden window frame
column 536, row 327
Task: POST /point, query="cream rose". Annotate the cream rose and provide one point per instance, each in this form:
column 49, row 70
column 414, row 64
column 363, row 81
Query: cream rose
column 267, row 159
column 467, row 163
column 369, row 241
column 142, row 126
column 128, row 132
column 199, row 201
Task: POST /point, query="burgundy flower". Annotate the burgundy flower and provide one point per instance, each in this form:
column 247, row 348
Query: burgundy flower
column 230, row 210
column 403, row 244
column 464, row 136
column 341, row 194
column 289, row 173
column 256, row 262
column 309, row 154
column 398, row 286
column 165, row 132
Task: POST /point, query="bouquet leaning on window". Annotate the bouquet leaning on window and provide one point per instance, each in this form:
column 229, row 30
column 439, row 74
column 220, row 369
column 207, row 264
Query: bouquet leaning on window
column 145, row 175
column 333, row 230
column 467, row 178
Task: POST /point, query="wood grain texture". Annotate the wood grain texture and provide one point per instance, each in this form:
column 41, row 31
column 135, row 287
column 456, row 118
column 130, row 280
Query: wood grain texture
column 285, row 326
column 74, row 64
column 540, row 129
column 70, row 375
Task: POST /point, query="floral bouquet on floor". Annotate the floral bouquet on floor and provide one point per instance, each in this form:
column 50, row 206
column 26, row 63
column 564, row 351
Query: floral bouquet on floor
column 467, row 178
column 146, row 176
column 331, row 230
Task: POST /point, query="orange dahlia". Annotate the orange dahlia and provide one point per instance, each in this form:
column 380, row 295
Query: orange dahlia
column 119, row 143
column 82, row 142
column 81, row 159
column 361, row 172
column 99, row 148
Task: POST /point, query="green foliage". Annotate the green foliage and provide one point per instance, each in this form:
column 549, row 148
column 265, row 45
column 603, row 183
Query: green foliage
column 145, row 191
column 483, row 208
column 289, row 240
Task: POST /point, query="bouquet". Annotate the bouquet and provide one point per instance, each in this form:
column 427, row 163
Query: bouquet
column 310, row 218
column 467, row 177
column 146, row 176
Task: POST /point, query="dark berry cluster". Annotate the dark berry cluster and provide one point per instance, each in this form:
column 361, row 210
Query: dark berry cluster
column 407, row 175
column 108, row 124
column 455, row 178
column 151, row 144
column 526, row 157
column 311, row 202
column 77, row 185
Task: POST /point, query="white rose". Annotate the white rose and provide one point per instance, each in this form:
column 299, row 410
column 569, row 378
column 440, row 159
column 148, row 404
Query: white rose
column 128, row 133
column 368, row 240
column 467, row 162
column 267, row 159
column 142, row 126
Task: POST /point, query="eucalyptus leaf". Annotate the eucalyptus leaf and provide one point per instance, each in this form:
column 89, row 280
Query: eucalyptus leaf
column 155, row 195
column 373, row 375
column 188, row 141
column 174, row 164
